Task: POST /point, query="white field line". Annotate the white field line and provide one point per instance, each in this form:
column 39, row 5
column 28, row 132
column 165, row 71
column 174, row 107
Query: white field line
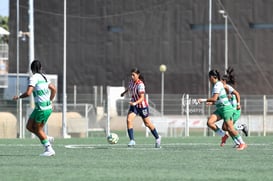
column 148, row 146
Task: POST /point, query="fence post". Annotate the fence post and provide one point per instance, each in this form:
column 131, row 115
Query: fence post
column 187, row 116
column 20, row 120
column 264, row 115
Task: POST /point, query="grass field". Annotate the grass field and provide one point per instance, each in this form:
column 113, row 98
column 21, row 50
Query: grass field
column 191, row 158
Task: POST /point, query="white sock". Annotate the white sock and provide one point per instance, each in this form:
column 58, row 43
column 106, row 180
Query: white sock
column 240, row 139
column 220, row 132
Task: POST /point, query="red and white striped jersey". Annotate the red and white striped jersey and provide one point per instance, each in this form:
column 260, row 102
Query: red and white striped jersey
column 135, row 89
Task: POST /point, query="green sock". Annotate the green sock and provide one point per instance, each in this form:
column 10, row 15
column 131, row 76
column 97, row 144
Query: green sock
column 45, row 142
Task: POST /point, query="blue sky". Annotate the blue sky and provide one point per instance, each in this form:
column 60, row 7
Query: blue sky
column 4, row 7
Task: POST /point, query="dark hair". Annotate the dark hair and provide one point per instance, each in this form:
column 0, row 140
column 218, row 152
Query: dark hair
column 214, row 73
column 229, row 77
column 136, row 70
column 36, row 67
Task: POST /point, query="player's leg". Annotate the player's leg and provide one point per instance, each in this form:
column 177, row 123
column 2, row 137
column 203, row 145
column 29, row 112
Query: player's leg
column 225, row 137
column 39, row 132
column 130, row 117
column 234, row 133
column 144, row 113
column 40, row 119
column 211, row 124
column 30, row 128
column 148, row 123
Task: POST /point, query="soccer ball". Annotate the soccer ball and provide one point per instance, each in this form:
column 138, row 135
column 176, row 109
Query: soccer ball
column 112, row 138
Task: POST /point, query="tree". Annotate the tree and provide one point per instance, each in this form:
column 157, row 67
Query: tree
column 4, row 24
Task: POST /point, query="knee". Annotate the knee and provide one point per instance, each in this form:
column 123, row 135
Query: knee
column 224, row 128
column 29, row 128
column 148, row 125
column 209, row 123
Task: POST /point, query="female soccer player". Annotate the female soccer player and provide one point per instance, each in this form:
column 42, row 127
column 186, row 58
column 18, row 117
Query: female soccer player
column 234, row 98
column 139, row 106
column 223, row 111
column 43, row 92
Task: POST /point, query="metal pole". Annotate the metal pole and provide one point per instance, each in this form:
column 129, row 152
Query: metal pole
column 162, row 94
column 31, row 43
column 162, row 69
column 108, row 112
column 226, row 41
column 17, row 49
column 264, row 114
column 187, row 116
column 64, row 79
column 209, row 61
column 31, row 33
column 17, row 64
column 225, row 16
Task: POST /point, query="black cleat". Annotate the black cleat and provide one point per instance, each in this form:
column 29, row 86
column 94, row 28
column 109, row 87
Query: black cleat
column 245, row 129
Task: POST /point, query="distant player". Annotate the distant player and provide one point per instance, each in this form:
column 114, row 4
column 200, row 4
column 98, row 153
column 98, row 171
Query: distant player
column 139, row 106
column 43, row 92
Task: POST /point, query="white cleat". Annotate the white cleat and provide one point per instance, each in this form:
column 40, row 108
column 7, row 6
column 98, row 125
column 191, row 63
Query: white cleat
column 158, row 142
column 131, row 143
column 50, row 139
column 48, row 152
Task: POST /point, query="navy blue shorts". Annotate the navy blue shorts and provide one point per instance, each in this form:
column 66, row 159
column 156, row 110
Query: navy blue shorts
column 143, row 112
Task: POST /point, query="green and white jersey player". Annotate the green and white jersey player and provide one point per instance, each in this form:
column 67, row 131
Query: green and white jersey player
column 44, row 92
column 223, row 111
column 234, row 98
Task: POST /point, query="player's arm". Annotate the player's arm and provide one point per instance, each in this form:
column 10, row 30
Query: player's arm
column 122, row 94
column 52, row 91
column 211, row 100
column 238, row 98
column 25, row 94
column 141, row 98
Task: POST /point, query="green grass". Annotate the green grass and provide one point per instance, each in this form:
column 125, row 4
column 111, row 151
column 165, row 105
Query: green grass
column 192, row 158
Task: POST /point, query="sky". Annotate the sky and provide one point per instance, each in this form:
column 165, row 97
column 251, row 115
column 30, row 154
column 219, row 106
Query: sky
column 4, row 7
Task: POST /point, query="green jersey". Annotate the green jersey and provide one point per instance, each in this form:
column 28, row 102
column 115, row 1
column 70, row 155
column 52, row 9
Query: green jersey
column 222, row 100
column 41, row 92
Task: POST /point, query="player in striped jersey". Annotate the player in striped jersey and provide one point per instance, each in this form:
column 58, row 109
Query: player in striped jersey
column 43, row 92
column 139, row 106
column 224, row 109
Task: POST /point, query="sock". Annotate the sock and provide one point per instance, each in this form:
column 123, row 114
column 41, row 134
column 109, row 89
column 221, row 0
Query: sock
column 235, row 140
column 155, row 134
column 220, row 132
column 46, row 143
column 131, row 133
column 240, row 139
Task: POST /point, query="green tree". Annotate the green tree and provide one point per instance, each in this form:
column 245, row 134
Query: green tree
column 4, row 24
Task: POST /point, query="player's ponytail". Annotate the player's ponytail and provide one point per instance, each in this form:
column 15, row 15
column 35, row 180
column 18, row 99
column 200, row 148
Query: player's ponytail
column 231, row 76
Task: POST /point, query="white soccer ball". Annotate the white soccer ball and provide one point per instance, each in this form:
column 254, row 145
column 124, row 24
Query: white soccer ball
column 112, row 138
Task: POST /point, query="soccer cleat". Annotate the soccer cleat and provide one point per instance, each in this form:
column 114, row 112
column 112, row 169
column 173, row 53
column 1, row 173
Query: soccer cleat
column 236, row 145
column 242, row 147
column 245, row 129
column 48, row 152
column 224, row 139
column 131, row 143
column 158, row 142
column 50, row 139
